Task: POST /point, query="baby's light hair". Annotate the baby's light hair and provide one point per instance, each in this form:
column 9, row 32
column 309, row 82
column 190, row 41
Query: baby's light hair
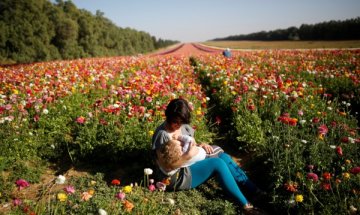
column 170, row 153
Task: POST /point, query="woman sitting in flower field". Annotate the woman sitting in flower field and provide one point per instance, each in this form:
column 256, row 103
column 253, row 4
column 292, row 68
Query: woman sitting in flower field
column 182, row 177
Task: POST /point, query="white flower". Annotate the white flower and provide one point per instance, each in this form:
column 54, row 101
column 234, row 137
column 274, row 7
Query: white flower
column 102, row 212
column 45, row 111
column 171, row 201
column 291, row 202
column 302, row 122
column 329, row 108
column 353, row 209
column 148, row 171
column 333, row 146
column 304, row 141
column 60, row 179
column 351, row 140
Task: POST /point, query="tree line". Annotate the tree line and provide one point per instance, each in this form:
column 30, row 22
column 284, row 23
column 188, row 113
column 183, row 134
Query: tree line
column 333, row 30
column 38, row 30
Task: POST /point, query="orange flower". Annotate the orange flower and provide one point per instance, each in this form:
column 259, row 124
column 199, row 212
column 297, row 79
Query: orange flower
column 291, row 186
column 85, row 196
column 128, row 205
column 166, row 181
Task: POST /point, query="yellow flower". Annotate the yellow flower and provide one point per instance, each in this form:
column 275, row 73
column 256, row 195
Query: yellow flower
column 299, row 198
column 347, row 161
column 225, row 82
column 346, row 175
column 299, row 175
column 151, row 133
column 91, row 191
column 127, row 189
column 61, row 197
column 321, row 136
column 92, row 183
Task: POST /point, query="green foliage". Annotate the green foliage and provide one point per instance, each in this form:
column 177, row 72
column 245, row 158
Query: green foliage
column 249, row 128
column 38, row 30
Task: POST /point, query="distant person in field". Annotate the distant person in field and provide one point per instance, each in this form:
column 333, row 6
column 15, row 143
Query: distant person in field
column 227, row 52
column 228, row 173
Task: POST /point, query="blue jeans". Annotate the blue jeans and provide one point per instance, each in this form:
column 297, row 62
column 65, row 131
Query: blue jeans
column 201, row 171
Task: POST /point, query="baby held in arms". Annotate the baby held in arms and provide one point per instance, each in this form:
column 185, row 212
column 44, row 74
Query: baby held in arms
column 179, row 145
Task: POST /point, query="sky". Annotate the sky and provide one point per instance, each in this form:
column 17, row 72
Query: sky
column 202, row 20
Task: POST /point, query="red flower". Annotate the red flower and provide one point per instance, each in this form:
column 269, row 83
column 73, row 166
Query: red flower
column 251, row 107
column 315, row 120
column 80, row 120
column 327, row 176
column 333, row 124
column 326, row 186
column 218, row 120
column 344, row 140
column 339, row 151
column 115, row 182
column 355, row 170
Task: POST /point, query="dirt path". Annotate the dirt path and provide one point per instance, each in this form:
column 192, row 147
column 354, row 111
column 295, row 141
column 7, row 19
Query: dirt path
column 187, row 49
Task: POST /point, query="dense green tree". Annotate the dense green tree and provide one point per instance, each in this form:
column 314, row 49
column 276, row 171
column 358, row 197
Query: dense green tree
column 38, row 30
column 332, row 30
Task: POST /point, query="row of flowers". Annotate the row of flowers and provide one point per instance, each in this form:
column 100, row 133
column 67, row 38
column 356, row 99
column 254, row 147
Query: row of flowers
column 61, row 193
column 283, row 111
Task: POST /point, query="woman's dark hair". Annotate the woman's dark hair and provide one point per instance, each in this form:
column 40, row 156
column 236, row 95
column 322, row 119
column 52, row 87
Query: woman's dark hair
column 178, row 109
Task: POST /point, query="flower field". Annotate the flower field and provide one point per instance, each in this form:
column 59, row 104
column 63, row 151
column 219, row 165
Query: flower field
column 294, row 110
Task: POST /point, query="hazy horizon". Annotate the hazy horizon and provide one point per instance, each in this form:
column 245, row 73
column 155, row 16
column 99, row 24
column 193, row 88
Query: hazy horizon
column 201, row 20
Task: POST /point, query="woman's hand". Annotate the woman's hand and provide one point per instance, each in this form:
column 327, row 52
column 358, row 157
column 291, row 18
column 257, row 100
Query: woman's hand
column 207, row 148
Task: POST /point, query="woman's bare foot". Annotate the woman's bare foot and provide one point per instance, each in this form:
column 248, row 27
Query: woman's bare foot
column 248, row 206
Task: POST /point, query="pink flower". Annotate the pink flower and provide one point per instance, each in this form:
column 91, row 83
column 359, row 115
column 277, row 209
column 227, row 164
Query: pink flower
column 148, row 99
column 310, row 166
column 80, row 120
column 21, row 183
column 300, row 113
column 17, row 202
column 69, row 189
column 323, row 129
column 161, row 186
column 120, row 195
column 152, row 187
column 312, row 176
